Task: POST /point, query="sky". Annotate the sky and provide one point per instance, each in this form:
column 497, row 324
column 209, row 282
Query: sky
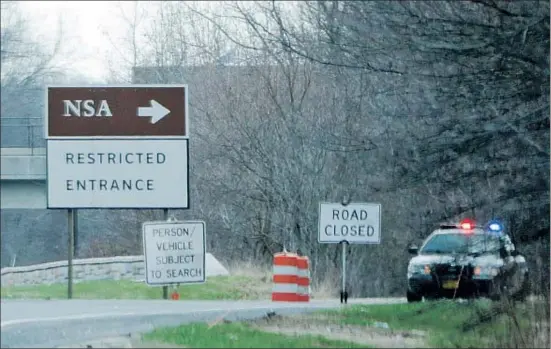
column 93, row 32
column 85, row 25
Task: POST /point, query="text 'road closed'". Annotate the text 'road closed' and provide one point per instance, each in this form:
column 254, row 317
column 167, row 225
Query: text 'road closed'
column 349, row 230
column 355, row 223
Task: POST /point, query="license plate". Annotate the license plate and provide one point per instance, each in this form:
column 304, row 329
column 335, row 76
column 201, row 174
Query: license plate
column 450, row 284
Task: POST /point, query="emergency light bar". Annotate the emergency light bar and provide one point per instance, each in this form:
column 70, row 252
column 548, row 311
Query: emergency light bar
column 466, row 224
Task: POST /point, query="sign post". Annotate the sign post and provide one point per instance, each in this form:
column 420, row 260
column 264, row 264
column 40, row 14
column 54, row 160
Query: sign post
column 71, row 252
column 116, row 147
column 75, row 237
column 352, row 223
column 175, row 252
column 165, row 287
column 344, row 293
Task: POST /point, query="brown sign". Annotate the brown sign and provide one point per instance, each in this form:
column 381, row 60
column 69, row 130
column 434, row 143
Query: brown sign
column 117, row 111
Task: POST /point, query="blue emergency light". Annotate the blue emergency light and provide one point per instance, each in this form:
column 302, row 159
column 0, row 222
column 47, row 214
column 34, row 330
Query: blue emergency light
column 495, row 227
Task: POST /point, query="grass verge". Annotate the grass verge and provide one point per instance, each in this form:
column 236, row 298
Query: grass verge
column 442, row 324
column 459, row 325
column 216, row 288
column 247, row 281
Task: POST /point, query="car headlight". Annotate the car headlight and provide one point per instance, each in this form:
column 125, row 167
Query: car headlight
column 487, row 270
column 419, row 269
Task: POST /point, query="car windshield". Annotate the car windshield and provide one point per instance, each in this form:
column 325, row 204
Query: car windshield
column 461, row 243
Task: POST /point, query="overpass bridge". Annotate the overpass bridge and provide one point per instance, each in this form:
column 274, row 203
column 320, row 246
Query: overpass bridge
column 23, row 164
column 23, row 178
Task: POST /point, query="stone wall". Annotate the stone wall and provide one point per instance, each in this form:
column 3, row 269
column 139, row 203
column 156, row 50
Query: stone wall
column 110, row 268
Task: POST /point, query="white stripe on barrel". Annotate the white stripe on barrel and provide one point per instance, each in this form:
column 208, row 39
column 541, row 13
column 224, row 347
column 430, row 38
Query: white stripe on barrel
column 285, row 270
column 285, row 288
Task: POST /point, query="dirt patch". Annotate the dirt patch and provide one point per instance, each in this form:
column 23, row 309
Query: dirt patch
column 328, row 327
column 122, row 342
column 111, row 342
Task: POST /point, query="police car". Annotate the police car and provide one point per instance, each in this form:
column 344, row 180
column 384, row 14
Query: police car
column 465, row 260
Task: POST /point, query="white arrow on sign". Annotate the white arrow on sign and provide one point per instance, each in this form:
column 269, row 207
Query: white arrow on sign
column 157, row 111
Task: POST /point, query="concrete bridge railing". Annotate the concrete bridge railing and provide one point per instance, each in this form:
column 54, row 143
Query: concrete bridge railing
column 23, row 164
column 23, row 177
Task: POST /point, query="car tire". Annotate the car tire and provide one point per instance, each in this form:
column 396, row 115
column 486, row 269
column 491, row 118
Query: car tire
column 412, row 297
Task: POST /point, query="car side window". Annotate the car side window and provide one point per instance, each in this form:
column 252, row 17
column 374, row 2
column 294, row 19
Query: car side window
column 484, row 243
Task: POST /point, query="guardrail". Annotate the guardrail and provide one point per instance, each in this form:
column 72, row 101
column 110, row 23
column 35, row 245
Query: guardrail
column 22, row 132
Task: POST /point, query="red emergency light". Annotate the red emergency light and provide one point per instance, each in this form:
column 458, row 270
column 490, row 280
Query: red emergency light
column 467, row 224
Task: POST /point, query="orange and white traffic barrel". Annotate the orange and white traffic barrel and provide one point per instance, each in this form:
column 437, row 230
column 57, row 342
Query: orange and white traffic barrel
column 285, row 274
column 303, row 279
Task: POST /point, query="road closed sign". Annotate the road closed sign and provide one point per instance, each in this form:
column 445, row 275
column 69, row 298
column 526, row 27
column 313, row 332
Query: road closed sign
column 355, row 223
column 174, row 252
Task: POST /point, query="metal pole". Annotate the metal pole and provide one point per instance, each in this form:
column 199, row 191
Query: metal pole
column 344, row 293
column 165, row 288
column 71, row 226
column 75, row 235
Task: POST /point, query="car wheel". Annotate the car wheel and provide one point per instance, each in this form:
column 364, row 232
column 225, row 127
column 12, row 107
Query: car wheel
column 412, row 297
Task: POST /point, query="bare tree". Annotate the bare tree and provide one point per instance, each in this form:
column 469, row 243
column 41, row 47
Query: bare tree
column 26, row 65
column 25, row 62
column 434, row 110
column 160, row 37
column 462, row 86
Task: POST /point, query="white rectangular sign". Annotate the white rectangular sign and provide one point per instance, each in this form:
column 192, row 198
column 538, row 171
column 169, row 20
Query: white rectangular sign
column 174, row 252
column 118, row 173
column 356, row 223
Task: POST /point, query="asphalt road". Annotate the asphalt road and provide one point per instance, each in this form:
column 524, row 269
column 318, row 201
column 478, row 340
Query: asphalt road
column 56, row 323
